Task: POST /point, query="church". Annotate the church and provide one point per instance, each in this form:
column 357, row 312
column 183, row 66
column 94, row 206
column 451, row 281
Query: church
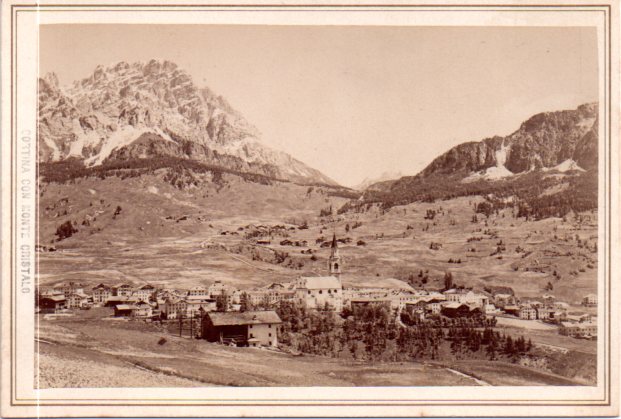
column 318, row 291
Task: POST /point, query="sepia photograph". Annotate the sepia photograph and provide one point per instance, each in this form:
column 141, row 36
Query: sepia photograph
column 260, row 205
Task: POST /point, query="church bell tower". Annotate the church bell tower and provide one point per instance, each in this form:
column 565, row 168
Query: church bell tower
column 334, row 262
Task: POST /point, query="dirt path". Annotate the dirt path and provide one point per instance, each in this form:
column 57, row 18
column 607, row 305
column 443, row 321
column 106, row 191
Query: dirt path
column 476, row 380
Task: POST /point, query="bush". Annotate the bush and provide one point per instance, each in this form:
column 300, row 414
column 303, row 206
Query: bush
column 65, row 230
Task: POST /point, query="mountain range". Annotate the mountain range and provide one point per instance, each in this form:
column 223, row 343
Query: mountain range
column 550, row 160
column 154, row 109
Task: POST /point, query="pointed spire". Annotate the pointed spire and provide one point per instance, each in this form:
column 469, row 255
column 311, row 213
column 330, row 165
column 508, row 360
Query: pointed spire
column 334, row 245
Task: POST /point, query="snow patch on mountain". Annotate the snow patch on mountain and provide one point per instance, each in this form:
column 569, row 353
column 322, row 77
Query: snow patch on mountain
column 566, row 166
column 495, row 172
column 120, row 138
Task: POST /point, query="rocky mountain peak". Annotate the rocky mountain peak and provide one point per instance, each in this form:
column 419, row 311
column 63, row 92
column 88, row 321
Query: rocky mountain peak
column 109, row 110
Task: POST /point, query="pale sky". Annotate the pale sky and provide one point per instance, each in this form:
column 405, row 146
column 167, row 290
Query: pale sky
column 354, row 102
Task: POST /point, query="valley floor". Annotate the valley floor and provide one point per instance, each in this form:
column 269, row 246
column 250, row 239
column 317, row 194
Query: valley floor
column 85, row 351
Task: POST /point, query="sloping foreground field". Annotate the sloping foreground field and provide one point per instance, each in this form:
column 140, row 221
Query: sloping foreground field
column 113, row 353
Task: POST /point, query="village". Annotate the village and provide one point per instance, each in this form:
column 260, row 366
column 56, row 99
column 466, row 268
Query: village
column 247, row 317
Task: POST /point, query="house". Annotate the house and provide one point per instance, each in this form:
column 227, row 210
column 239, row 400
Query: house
column 548, row 299
column 250, row 328
column 456, row 309
column 116, row 300
column 270, row 296
column 124, row 310
column 512, row 309
column 198, row 291
column 502, row 300
column 194, row 305
column 434, row 305
column 466, row 297
column 76, row 300
column 67, row 288
column 584, row 330
column 52, row 304
column 142, row 309
column 528, row 312
column 174, row 307
column 101, row 293
column 490, row 309
column 589, row 300
column 144, row 293
column 546, row 313
column 124, row 290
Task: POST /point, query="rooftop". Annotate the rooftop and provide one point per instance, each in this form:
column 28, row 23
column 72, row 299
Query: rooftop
column 233, row 318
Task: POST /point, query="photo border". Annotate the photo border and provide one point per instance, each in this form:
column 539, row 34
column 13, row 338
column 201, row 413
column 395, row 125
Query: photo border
column 609, row 13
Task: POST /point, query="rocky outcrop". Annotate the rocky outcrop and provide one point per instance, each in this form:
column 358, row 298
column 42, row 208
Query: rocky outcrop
column 543, row 141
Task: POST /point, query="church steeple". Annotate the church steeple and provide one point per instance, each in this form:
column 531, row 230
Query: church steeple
column 334, row 262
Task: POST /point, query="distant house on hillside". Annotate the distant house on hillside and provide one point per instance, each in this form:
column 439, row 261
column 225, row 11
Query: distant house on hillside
column 101, row 293
column 589, row 300
column 144, row 293
column 67, row 288
column 124, row 290
column 250, row 328
column 76, row 300
column 198, row 291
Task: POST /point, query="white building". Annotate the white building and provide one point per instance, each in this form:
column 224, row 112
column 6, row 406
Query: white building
column 101, row 293
column 198, row 292
column 589, row 300
column 466, row 297
column 315, row 292
column 144, row 293
column 173, row 307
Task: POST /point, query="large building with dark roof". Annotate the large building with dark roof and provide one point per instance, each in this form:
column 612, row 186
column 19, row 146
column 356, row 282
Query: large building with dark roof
column 249, row 328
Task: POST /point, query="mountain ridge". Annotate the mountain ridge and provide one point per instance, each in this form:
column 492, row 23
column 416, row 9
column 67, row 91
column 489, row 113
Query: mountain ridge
column 555, row 149
column 101, row 116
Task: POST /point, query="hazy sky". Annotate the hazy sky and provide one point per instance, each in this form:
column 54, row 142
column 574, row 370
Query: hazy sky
column 355, row 102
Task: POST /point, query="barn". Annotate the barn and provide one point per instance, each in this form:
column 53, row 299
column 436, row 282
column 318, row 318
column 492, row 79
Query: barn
column 249, row 328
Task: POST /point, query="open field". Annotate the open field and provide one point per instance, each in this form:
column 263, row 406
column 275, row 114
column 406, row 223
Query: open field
column 132, row 347
column 108, row 350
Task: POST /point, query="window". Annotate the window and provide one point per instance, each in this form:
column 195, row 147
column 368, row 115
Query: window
column 269, row 325
column 251, row 336
column 320, row 291
column 329, row 291
column 250, row 326
column 309, row 292
column 269, row 335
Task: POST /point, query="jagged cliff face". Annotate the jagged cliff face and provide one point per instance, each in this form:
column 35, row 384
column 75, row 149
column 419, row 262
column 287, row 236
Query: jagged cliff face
column 544, row 141
column 152, row 109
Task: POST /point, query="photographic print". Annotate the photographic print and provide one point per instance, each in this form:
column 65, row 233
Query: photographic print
column 226, row 206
